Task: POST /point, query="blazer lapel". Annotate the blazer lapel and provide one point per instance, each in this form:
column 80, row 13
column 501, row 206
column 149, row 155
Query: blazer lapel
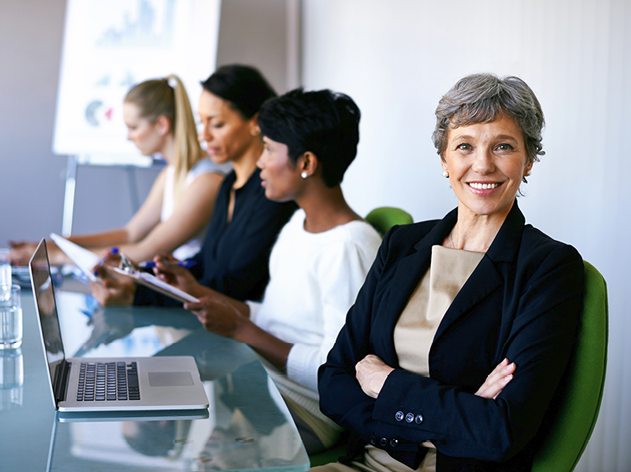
column 486, row 278
column 409, row 272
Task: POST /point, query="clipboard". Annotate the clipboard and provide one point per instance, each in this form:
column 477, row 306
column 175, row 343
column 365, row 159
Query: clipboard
column 86, row 260
column 151, row 281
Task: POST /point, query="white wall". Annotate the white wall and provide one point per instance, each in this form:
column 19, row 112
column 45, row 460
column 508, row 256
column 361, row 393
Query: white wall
column 396, row 59
column 264, row 34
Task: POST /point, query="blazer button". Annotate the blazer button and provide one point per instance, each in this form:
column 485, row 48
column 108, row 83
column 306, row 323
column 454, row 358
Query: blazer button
column 409, row 417
column 394, row 442
column 373, row 440
column 399, row 416
column 383, row 442
column 418, row 419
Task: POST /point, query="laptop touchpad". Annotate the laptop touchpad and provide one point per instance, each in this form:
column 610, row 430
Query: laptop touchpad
column 170, row 379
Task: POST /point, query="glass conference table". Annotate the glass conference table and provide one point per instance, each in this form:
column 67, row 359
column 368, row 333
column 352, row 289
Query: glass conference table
column 247, row 425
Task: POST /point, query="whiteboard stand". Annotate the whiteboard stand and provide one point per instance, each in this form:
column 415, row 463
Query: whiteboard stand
column 71, row 182
column 74, row 161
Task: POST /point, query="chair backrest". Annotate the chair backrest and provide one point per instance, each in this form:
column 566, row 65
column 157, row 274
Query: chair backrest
column 584, row 381
column 383, row 218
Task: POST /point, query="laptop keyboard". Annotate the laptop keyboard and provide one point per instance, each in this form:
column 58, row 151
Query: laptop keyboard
column 108, row 381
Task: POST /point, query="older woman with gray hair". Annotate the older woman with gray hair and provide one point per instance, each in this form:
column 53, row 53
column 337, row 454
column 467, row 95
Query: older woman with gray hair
column 452, row 355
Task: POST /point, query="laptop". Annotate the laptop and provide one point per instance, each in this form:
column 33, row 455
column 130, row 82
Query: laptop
column 84, row 384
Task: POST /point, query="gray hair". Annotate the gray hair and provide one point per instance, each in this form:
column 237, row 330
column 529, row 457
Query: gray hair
column 482, row 98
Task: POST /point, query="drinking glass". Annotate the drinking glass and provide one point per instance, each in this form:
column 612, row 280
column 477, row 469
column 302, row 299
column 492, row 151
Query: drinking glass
column 11, row 319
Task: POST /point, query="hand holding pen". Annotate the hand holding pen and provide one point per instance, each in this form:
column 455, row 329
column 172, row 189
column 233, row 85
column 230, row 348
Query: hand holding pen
column 112, row 258
column 173, row 271
column 109, row 290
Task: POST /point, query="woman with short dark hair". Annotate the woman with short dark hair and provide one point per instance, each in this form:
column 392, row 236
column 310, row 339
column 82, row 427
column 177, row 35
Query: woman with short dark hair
column 453, row 351
column 317, row 264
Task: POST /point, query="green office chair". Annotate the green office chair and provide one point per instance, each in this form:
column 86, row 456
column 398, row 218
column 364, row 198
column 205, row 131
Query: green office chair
column 383, row 218
column 584, row 381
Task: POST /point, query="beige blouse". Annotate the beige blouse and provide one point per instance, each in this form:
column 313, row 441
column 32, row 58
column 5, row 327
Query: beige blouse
column 415, row 330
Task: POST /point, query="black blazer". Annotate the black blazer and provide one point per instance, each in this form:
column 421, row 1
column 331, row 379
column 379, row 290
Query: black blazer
column 234, row 257
column 522, row 302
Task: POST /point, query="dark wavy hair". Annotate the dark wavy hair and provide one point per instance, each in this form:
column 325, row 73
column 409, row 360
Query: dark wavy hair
column 243, row 87
column 322, row 122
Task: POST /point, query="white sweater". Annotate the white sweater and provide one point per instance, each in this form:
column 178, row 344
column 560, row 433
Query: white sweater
column 314, row 280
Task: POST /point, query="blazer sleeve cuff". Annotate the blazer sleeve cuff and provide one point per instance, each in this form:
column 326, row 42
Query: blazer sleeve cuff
column 394, row 406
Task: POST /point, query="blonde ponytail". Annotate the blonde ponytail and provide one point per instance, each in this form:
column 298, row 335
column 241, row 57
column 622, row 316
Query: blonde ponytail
column 167, row 97
column 187, row 149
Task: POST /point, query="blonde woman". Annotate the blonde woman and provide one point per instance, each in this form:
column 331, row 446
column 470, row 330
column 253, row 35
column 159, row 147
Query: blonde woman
column 176, row 212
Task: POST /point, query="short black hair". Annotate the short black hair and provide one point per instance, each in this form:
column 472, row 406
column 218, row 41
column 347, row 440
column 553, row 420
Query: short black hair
column 243, row 87
column 323, row 122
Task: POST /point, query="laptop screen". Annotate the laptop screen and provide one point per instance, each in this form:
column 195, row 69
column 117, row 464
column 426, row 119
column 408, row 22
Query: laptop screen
column 46, row 308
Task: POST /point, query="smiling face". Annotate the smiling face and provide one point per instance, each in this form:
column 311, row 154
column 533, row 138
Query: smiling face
column 486, row 163
column 281, row 178
column 226, row 133
column 148, row 137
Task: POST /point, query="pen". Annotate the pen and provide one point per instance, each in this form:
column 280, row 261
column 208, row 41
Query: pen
column 113, row 250
column 150, row 264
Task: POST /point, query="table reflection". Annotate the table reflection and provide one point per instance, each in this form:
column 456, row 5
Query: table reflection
column 248, row 425
column 11, row 378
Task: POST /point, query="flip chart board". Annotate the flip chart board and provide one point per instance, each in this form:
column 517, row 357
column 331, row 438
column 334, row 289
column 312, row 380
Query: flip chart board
column 111, row 45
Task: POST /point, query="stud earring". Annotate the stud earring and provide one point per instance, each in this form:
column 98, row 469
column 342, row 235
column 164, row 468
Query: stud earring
column 304, row 174
column 256, row 131
column 445, row 174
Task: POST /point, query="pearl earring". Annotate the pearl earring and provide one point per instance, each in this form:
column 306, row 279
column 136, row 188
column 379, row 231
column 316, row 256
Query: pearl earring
column 304, row 175
column 445, row 174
